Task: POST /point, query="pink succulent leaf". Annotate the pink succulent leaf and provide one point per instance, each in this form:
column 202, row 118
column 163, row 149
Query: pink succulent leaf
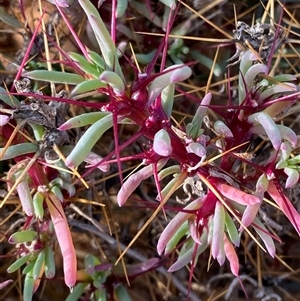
column 25, row 197
column 62, row 3
column 162, row 143
column 180, row 75
column 136, row 269
column 293, row 177
column 252, row 73
column 135, row 180
column 218, row 230
column 265, row 236
column 171, row 75
column 231, row 256
column 188, row 256
column 114, row 80
column 176, row 223
column 93, row 159
column 222, row 129
column 4, row 119
column 287, row 134
column 286, row 206
column 221, row 255
column 237, row 195
column 249, row 215
column 5, row 283
column 64, row 238
column 269, row 126
column 194, row 232
column 197, row 149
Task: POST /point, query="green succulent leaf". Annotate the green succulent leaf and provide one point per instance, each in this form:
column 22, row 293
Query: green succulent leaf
column 88, row 140
column 100, row 295
column 167, row 99
column 114, row 80
column 18, row 263
column 39, row 263
column 182, row 230
column 83, row 120
column 49, row 263
column 294, row 161
column 88, row 86
column 232, row 230
column 188, row 256
column 18, row 150
column 84, row 64
column 121, row 293
column 107, row 46
column 89, row 262
column 10, row 100
column 29, row 267
column 76, row 292
column 97, row 59
column 284, row 78
column 28, row 287
column 55, row 77
column 145, row 58
column 121, row 8
column 22, row 236
column 168, row 171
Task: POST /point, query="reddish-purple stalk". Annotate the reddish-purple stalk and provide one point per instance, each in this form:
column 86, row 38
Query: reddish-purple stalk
column 79, row 43
column 26, row 56
column 116, row 139
column 273, row 46
column 281, row 99
column 285, row 201
column 113, row 21
column 171, row 19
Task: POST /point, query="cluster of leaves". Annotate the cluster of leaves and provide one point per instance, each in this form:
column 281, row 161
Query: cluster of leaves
column 231, row 186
